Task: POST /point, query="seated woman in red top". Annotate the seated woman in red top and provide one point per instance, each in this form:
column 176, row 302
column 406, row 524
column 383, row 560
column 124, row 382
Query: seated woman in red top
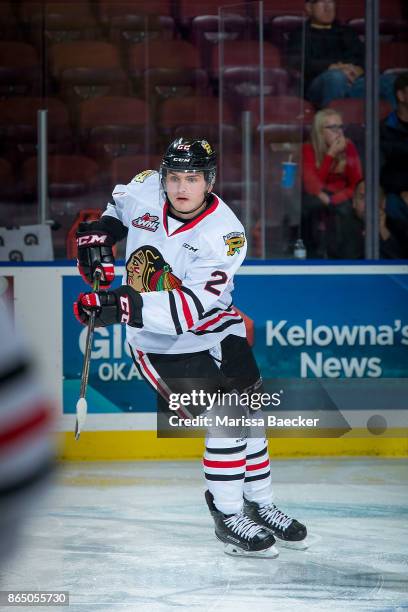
column 331, row 171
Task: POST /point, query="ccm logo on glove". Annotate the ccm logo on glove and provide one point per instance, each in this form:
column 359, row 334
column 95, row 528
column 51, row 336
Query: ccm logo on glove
column 91, row 239
column 125, row 308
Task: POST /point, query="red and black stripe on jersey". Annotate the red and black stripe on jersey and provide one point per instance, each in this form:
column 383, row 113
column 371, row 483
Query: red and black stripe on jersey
column 180, row 310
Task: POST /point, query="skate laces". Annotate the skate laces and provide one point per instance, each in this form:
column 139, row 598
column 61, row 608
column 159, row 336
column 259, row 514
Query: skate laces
column 243, row 526
column 275, row 516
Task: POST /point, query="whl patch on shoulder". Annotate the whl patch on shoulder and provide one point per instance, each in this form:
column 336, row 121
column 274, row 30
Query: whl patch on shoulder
column 234, row 241
column 142, row 176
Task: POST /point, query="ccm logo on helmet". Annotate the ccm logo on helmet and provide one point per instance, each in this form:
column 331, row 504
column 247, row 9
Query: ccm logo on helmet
column 91, row 239
column 125, row 307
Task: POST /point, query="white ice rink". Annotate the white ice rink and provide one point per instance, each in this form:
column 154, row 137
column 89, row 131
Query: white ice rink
column 138, row 537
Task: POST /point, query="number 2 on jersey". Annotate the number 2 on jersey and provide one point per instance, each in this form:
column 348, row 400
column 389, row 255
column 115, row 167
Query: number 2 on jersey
column 220, row 278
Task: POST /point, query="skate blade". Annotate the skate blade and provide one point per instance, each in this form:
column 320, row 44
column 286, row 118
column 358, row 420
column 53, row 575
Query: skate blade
column 234, row 551
column 296, row 545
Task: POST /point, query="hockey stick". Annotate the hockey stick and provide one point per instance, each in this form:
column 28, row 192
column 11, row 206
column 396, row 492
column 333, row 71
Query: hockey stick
column 82, row 406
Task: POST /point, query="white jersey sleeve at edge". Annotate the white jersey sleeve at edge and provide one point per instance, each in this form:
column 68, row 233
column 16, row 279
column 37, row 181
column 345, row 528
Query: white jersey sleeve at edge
column 119, row 206
column 127, row 198
column 208, row 279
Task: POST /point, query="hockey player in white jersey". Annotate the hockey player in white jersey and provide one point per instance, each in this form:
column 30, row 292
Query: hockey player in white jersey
column 184, row 245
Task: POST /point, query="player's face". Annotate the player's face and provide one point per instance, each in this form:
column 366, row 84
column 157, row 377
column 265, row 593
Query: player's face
column 321, row 12
column 186, row 191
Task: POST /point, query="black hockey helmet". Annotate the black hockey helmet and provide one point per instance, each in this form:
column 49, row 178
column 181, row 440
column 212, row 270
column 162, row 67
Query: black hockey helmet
column 185, row 155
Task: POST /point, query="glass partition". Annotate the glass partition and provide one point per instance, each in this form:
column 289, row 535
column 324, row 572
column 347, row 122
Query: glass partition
column 260, row 87
column 120, row 80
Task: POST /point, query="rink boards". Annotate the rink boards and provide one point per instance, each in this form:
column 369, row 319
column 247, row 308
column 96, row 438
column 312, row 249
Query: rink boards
column 338, row 330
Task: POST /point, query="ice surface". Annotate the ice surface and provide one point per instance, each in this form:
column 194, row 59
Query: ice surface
column 137, row 536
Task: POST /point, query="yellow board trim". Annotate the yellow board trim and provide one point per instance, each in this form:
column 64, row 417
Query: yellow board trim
column 130, row 445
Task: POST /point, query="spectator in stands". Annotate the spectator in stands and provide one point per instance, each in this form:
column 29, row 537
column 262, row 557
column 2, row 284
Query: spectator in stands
column 331, row 170
column 353, row 246
column 394, row 151
column 333, row 57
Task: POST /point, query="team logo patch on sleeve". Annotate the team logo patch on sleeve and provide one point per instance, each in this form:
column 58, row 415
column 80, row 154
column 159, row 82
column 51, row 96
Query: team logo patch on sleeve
column 142, row 176
column 234, row 241
column 147, row 222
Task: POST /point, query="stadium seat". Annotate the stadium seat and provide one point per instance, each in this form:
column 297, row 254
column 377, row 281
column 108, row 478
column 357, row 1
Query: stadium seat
column 187, row 10
column 122, row 169
column 281, row 26
column 353, row 110
column 20, row 70
column 87, row 69
column 175, row 72
column 9, row 29
column 18, row 123
column 208, row 31
column 58, row 21
column 243, row 83
column 393, row 55
column 390, row 29
column 135, row 22
column 197, row 117
column 68, row 175
column 351, row 9
column 237, row 54
column 113, row 125
column 108, row 10
column 286, row 118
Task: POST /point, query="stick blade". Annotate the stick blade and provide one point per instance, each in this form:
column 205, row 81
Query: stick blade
column 81, row 412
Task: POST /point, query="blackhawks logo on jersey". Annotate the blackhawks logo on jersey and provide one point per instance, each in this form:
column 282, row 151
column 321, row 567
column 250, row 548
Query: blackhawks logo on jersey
column 148, row 271
column 234, row 241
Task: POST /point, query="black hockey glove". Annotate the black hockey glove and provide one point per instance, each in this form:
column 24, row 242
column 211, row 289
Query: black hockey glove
column 123, row 305
column 95, row 250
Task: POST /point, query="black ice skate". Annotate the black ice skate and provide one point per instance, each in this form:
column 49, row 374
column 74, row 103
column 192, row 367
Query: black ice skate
column 289, row 531
column 241, row 535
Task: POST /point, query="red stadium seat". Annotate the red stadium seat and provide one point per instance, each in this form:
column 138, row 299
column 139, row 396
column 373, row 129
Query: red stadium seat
column 272, row 7
column 197, row 117
column 9, row 28
column 242, row 83
column 108, row 9
column 68, row 175
column 113, row 125
column 237, row 54
column 353, row 110
column 123, row 169
column 18, row 123
column 187, row 10
column 208, row 31
column 350, row 9
column 135, row 22
column 281, row 26
column 285, row 117
column 20, row 70
column 176, row 71
column 59, row 21
column 87, row 69
column 393, row 55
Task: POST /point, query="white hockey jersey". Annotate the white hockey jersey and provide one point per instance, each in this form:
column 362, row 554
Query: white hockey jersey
column 183, row 269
